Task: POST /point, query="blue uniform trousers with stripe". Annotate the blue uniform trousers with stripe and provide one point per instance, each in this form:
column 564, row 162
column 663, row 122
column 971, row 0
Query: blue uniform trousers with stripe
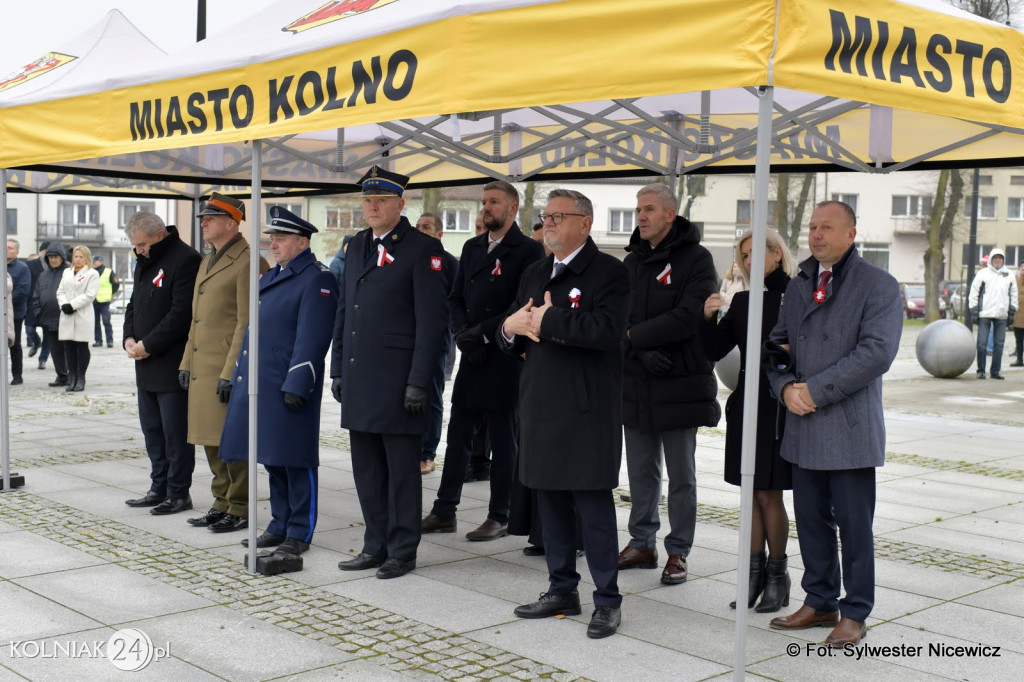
column 293, row 501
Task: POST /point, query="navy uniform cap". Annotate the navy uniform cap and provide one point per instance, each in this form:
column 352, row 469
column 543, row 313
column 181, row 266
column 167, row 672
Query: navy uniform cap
column 383, row 183
column 283, row 221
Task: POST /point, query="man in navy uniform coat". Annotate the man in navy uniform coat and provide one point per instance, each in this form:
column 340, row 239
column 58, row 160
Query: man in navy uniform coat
column 487, row 384
column 569, row 318
column 388, row 339
column 298, row 299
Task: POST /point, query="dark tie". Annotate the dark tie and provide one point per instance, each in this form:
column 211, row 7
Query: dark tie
column 558, row 269
column 825, row 278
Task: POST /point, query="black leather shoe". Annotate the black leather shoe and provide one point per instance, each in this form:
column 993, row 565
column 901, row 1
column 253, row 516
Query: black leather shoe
column 17, row 381
column 432, row 523
column 228, row 523
column 997, row 375
column 488, row 530
column 58, row 382
column 395, row 568
column 551, row 605
column 292, row 546
column 97, row 345
column 209, row 518
column 361, row 562
column 33, row 350
column 172, row 506
column 150, row 499
column 533, row 550
column 265, row 540
column 604, row 623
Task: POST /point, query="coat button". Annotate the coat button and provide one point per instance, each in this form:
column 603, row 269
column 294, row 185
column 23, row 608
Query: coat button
column 196, row 320
column 238, row 379
column 802, row 337
column 353, row 333
column 355, row 307
column 824, row 337
column 200, row 292
column 245, row 352
column 351, row 361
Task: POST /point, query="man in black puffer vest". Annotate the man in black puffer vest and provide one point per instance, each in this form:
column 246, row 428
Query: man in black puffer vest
column 668, row 387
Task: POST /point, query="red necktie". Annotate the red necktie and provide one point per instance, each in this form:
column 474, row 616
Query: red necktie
column 825, row 278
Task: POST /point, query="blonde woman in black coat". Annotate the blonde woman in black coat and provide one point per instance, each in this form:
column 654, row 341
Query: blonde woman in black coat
column 770, row 523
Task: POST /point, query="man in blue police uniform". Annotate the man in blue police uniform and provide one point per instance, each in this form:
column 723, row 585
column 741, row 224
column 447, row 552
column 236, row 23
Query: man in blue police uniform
column 298, row 299
column 487, row 385
column 388, row 338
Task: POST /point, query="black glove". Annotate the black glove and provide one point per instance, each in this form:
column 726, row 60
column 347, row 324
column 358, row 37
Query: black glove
column 471, row 342
column 654, row 361
column 67, row 309
column 224, row 390
column 415, row 400
column 773, row 355
column 183, row 378
column 336, row 388
column 294, row 402
column 1010, row 316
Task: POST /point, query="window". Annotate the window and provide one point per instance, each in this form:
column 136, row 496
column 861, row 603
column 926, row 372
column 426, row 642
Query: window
column 1017, row 179
column 12, row 221
column 622, row 220
column 126, row 209
column 345, row 219
column 1014, row 255
column 876, row 253
column 1015, row 209
column 988, row 208
column 79, row 213
column 849, row 199
column 980, row 250
column 745, row 208
column 294, row 208
column 455, row 220
column 911, row 205
column 984, row 179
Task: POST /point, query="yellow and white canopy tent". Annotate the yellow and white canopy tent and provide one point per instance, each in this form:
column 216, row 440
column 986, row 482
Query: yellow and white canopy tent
column 310, row 93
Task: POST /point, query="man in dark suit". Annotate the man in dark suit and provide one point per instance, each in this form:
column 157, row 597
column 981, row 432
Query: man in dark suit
column 156, row 324
column 569, row 317
column 298, row 300
column 430, row 225
column 487, row 384
column 841, row 322
column 388, row 337
column 20, row 293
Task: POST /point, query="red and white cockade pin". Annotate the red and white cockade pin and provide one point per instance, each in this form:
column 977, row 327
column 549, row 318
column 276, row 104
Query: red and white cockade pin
column 819, row 295
column 158, row 281
column 665, row 276
column 497, row 267
column 383, row 257
column 574, row 297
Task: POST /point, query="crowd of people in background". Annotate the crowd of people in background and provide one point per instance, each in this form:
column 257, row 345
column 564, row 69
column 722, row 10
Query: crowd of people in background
column 566, row 353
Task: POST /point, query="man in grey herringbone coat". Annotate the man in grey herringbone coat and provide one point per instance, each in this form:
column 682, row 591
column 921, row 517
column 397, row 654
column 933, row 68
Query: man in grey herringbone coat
column 841, row 320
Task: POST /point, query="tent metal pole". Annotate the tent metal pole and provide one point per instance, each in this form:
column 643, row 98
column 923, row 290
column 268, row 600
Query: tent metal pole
column 255, row 221
column 752, row 363
column 5, row 438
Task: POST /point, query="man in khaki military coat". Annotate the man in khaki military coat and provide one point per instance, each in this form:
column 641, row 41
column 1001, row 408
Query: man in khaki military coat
column 220, row 315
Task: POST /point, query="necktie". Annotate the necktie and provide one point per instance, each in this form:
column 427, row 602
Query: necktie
column 825, row 278
column 491, row 245
column 558, row 269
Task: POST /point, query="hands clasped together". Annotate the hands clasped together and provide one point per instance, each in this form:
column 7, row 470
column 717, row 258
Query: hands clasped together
column 527, row 320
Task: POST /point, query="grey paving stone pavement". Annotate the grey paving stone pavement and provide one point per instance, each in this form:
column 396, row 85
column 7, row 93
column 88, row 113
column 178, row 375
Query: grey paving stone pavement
column 79, row 568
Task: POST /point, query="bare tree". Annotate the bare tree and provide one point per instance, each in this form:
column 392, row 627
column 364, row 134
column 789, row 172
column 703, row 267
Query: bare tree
column 1004, row 11
column 940, row 226
column 432, row 200
column 789, row 225
column 527, row 211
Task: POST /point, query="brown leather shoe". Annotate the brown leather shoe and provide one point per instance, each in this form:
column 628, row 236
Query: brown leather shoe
column 426, row 466
column 638, row 558
column 488, row 530
column 432, row 523
column 675, row 570
column 805, row 617
column 848, row 631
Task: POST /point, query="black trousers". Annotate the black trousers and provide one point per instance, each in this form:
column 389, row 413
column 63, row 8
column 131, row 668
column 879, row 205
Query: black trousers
column 164, row 420
column 595, row 509
column 462, row 426
column 824, row 501
column 386, row 469
column 76, row 356
column 60, row 363
column 16, row 350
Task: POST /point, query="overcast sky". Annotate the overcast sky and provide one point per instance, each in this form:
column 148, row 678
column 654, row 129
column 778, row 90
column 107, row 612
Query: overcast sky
column 31, row 28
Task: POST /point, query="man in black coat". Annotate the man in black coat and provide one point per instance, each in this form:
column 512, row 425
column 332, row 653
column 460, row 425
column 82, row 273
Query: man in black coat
column 668, row 385
column 430, row 225
column 487, row 384
column 388, row 338
column 156, row 324
column 568, row 318
column 20, row 293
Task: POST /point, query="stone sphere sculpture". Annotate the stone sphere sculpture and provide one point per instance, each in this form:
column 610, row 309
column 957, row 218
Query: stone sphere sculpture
column 728, row 369
column 945, row 349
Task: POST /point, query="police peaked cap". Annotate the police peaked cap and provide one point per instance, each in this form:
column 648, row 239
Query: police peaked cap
column 283, row 221
column 381, row 183
column 222, row 205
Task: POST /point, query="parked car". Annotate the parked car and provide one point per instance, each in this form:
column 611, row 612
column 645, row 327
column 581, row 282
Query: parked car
column 913, row 301
column 955, row 294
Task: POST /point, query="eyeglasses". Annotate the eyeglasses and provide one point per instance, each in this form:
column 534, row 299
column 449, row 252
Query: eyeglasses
column 557, row 218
